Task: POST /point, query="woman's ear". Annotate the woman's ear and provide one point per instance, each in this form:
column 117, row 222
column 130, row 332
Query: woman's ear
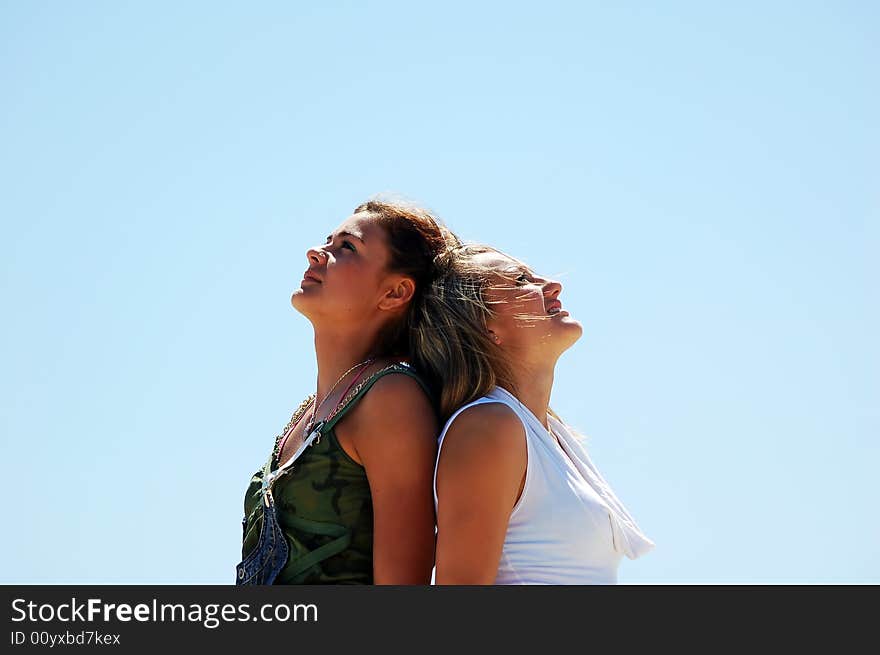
column 401, row 292
column 495, row 338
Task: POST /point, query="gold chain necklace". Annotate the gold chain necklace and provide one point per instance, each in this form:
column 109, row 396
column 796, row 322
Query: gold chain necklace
column 294, row 419
column 281, row 438
column 311, row 422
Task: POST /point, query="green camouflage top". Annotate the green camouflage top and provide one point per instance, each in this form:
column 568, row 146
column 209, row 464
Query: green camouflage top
column 324, row 506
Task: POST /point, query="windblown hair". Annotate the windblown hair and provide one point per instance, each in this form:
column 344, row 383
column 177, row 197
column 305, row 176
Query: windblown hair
column 473, row 363
column 444, row 332
column 452, row 339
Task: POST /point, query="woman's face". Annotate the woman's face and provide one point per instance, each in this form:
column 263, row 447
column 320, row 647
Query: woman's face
column 347, row 277
column 528, row 320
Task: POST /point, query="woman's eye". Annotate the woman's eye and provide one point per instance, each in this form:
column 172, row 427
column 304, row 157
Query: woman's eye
column 348, row 244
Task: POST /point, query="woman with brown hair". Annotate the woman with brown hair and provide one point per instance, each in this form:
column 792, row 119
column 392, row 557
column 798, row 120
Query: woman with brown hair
column 346, row 495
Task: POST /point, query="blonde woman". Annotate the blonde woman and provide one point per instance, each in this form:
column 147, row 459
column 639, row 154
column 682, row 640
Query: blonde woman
column 518, row 498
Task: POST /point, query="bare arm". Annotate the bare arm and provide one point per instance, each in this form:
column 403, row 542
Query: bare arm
column 394, row 434
column 479, row 478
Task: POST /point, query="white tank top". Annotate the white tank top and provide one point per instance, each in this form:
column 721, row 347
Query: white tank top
column 567, row 527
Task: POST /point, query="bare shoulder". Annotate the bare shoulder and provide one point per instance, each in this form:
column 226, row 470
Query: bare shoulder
column 482, row 462
column 394, row 419
column 484, row 432
column 486, row 429
column 396, row 396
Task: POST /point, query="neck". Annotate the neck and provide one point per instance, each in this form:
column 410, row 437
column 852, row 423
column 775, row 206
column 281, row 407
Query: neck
column 338, row 351
column 534, row 383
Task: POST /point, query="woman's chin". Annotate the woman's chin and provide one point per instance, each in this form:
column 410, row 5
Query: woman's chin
column 573, row 330
column 299, row 302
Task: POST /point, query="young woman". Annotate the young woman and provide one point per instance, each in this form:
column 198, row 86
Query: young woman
column 346, row 495
column 518, row 499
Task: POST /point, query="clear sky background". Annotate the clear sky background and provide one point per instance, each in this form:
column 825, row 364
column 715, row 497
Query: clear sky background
column 702, row 176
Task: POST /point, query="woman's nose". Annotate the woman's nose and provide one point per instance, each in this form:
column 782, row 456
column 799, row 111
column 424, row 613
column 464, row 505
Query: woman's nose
column 316, row 256
column 553, row 288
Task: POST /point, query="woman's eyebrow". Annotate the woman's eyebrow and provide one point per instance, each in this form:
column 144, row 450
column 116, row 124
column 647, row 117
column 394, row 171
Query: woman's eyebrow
column 346, row 234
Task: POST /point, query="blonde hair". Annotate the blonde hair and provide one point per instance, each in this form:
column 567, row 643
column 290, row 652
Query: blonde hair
column 451, row 342
column 453, row 339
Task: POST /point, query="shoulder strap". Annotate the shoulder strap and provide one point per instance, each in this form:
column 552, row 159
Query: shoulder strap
column 361, row 389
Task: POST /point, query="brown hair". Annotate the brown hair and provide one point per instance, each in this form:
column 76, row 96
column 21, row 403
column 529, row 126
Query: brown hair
column 417, row 239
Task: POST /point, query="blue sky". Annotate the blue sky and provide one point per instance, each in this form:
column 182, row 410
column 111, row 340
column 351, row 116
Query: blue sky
column 702, row 176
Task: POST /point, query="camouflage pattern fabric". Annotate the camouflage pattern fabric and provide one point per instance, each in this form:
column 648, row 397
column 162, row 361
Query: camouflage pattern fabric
column 324, row 508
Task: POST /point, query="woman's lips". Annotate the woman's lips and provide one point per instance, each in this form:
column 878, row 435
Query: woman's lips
column 308, row 276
